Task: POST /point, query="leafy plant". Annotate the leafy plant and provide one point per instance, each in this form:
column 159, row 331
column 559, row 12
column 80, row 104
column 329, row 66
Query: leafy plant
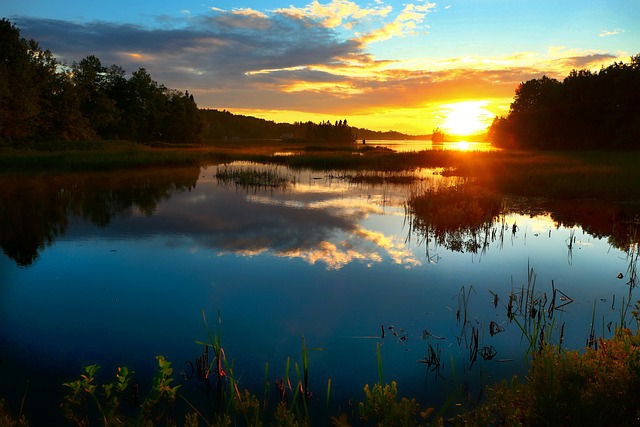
column 382, row 405
column 596, row 387
column 87, row 402
column 7, row 420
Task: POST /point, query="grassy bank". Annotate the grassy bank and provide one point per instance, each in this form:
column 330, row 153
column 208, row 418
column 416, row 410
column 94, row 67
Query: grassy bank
column 594, row 174
column 97, row 156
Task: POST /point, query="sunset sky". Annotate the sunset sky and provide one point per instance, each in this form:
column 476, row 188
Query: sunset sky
column 384, row 65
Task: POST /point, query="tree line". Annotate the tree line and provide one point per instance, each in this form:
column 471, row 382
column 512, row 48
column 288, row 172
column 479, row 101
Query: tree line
column 224, row 125
column 587, row 110
column 43, row 99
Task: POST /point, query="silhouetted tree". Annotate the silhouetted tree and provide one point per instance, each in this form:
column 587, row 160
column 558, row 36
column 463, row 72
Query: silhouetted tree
column 42, row 99
column 26, row 78
column 585, row 111
column 96, row 104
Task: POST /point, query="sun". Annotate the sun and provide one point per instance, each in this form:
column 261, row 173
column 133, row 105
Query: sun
column 466, row 118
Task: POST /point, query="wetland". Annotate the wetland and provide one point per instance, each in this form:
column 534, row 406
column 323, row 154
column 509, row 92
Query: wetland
column 436, row 270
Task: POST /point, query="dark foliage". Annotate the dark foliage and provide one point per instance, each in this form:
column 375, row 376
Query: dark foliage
column 225, row 125
column 585, row 111
column 41, row 99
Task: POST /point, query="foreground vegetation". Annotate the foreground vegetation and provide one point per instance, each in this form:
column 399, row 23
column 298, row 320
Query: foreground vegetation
column 594, row 387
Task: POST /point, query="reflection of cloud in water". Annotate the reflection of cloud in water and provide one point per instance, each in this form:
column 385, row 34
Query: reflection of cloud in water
column 314, row 241
column 355, row 248
column 314, row 226
column 396, row 250
column 328, row 253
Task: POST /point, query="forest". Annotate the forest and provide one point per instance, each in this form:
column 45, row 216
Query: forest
column 225, row 125
column 587, row 110
column 43, row 99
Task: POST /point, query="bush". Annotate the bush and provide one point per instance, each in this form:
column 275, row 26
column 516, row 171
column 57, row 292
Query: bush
column 596, row 387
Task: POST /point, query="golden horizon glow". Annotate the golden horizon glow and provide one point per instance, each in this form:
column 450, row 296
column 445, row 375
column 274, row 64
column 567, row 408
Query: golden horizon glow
column 466, row 118
column 463, row 145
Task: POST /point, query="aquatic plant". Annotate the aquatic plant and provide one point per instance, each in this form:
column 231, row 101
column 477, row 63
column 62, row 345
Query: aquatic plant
column 86, row 401
column 251, row 177
column 9, row 420
column 592, row 388
column 382, row 405
column 460, row 218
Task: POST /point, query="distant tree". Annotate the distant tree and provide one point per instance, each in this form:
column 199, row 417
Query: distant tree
column 184, row 123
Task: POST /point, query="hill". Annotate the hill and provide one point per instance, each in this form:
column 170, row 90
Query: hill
column 221, row 124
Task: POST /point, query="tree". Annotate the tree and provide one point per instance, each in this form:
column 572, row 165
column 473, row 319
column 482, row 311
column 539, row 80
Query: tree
column 184, row 123
column 586, row 110
column 26, row 76
column 91, row 83
column 42, row 99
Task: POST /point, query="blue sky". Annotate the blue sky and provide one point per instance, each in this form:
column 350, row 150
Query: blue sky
column 408, row 66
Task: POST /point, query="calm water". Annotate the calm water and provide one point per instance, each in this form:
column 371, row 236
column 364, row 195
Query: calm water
column 422, row 145
column 117, row 268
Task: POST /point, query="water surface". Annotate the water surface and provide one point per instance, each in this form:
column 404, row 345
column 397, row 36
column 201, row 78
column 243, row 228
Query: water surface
column 116, row 268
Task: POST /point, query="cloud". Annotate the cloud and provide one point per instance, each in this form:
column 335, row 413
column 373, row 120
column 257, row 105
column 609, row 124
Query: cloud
column 609, row 33
column 589, row 61
column 314, row 60
column 334, row 14
column 406, row 23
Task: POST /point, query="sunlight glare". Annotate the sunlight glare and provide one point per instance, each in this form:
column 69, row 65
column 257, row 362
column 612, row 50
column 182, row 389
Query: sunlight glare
column 462, row 145
column 466, row 118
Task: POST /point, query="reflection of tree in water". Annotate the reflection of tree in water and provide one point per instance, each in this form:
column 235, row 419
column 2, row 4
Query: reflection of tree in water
column 36, row 208
column 618, row 222
column 460, row 218
column 465, row 217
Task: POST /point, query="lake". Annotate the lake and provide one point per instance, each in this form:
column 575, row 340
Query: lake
column 116, row 268
column 407, row 145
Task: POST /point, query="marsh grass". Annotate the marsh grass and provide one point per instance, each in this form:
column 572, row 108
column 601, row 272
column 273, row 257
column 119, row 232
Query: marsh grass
column 253, row 178
column 119, row 156
column 602, row 174
column 459, row 218
column 596, row 386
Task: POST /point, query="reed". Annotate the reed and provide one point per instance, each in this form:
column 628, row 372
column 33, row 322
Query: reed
column 252, row 178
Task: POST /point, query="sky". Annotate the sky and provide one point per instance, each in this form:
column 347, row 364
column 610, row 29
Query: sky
column 408, row 66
